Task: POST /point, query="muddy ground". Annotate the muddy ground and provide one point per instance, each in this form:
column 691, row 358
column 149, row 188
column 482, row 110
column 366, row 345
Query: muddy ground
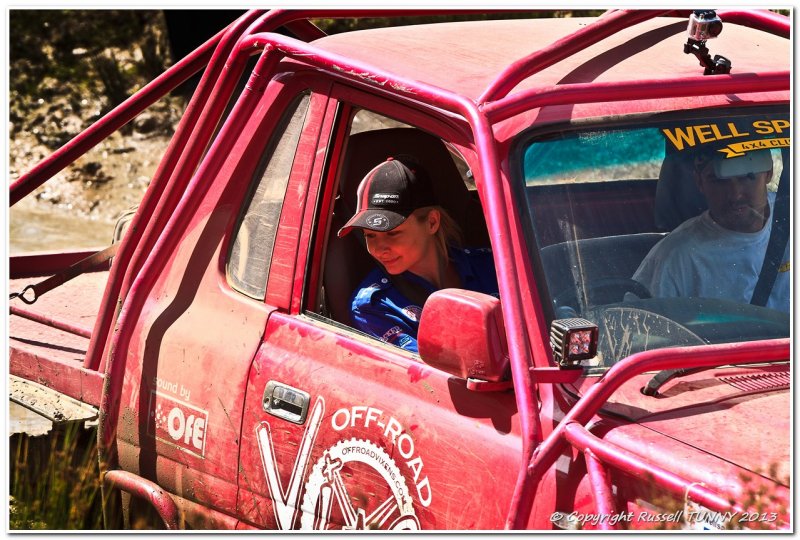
column 78, row 206
column 50, row 104
column 67, row 69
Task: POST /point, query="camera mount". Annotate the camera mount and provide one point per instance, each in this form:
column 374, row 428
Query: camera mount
column 703, row 25
column 718, row 65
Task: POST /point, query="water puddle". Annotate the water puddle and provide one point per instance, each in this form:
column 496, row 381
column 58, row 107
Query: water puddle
column 35, row 229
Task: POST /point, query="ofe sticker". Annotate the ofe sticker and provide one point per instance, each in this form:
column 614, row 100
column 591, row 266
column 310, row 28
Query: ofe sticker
column 736, row 139
column 178, row 423
column 326, row 486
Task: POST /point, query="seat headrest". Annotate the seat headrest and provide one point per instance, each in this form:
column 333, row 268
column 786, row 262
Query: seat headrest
column 347, row 261
column 367, row 149
column 677, row 195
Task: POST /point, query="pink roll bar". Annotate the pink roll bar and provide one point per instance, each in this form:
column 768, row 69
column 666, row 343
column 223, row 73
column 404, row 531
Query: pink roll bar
column 145, row 489
column 754, row 352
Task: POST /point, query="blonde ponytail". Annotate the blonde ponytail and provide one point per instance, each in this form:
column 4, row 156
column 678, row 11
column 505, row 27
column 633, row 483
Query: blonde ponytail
column 448, row 234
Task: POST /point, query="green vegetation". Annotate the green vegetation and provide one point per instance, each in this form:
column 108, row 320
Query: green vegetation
column 89, row 48
column 109, row 54
column 54, row 480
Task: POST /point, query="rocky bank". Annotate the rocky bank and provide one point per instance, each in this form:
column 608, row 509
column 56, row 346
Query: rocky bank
column 47, row 108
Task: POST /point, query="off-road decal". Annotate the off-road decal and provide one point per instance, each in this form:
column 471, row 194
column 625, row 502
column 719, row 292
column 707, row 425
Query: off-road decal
column 326, row 487
column 388, row 427
column 285, row 501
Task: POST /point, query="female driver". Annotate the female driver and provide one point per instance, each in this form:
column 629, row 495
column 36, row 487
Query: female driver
column 414, row 242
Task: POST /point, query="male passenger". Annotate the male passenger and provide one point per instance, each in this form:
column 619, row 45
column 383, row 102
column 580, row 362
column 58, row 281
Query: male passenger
column 719, row 254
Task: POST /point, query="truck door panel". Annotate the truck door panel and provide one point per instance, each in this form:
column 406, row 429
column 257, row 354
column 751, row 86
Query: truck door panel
column 390, row 434
column 387, row 442
column 203, row 322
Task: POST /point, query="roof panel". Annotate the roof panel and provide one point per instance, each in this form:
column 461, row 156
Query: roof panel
column 464, row 57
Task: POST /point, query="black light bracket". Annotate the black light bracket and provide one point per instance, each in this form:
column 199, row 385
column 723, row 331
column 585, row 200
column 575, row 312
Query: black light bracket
column 713, row 66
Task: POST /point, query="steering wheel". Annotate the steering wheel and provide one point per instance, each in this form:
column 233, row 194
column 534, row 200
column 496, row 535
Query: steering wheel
column 602, row 291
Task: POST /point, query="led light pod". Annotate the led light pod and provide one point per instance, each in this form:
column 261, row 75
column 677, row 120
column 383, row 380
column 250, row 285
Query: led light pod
column 573, row 340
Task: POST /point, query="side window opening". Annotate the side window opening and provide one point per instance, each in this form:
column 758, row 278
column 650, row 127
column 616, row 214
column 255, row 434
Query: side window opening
column 251, row 251
column 371, row 139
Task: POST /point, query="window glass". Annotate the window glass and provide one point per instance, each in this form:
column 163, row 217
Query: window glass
column 596, row 157
column 251, row 252
column 657, row 232
column 365, row 120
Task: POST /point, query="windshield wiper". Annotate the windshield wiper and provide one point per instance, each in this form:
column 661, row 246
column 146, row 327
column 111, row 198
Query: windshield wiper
column 660, row 378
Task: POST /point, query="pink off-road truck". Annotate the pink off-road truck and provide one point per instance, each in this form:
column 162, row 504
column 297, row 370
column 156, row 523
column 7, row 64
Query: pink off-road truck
column 216, row 349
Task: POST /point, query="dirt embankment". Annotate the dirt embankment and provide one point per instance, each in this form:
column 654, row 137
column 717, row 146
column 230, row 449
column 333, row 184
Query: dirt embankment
column 57, row 89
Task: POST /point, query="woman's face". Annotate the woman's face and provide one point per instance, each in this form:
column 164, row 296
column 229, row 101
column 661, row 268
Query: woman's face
column 409, row 246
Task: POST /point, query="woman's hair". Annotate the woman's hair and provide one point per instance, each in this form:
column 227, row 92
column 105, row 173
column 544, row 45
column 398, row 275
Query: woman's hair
column 448, row 234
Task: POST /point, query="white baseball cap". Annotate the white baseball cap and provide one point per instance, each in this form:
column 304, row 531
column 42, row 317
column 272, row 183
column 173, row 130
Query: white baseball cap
column 754, row 161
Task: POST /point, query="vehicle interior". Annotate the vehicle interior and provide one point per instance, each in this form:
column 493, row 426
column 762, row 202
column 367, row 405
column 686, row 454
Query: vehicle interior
column 604, row 264
column 592, row 231
column 347, row 261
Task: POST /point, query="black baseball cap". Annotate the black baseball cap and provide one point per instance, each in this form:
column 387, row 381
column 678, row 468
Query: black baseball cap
column 389, row 193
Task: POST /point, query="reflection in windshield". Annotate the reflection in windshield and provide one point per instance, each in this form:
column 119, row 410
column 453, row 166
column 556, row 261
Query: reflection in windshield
column 665, row 235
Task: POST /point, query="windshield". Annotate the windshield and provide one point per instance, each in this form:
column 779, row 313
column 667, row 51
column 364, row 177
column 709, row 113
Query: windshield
column 667, row 233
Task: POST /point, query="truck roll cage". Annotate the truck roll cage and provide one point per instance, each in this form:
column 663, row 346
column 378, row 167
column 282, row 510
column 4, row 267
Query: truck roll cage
column 178, row 186
column 597, row 452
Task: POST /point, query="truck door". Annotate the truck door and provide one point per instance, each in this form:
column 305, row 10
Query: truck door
column 343, row 431
column 196, row 339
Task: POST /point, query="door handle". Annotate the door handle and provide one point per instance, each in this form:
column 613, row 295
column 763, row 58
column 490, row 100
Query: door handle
column 286, row 402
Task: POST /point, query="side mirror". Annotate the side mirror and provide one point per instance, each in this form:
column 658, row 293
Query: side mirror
column 462, row 332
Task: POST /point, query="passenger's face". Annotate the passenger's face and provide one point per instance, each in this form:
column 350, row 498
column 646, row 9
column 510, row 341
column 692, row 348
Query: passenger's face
column 409, row 246
column 739, row 203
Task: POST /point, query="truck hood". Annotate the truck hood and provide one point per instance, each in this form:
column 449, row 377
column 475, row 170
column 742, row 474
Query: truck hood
column 739, row 416
column 751, row 430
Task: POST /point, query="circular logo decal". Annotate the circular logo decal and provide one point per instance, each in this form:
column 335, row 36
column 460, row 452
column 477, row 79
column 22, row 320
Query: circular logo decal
column 328, row 502
column 378, row 221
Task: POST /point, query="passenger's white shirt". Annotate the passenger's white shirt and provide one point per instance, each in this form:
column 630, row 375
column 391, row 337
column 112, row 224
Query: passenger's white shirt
column 702, row 259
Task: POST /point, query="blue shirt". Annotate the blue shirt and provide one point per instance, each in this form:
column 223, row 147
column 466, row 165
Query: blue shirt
column 381, row 310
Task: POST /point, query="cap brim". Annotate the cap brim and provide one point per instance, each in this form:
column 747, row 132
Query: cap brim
column 753, row 162
column 374, row 220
